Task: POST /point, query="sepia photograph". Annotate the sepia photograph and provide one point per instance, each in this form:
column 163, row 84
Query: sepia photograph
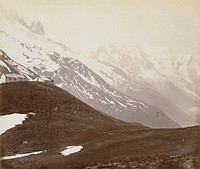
column 99, row 84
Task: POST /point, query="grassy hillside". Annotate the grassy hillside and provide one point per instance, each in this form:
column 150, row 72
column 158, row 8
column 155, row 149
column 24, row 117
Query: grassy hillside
column 62, row 120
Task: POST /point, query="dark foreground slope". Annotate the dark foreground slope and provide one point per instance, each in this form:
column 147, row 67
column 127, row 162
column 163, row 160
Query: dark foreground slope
column 62, row 120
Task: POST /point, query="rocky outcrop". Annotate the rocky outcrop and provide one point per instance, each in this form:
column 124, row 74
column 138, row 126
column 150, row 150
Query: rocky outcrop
column 37, row 28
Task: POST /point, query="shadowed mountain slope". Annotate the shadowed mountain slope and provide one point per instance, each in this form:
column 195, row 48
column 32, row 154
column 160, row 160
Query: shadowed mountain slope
column 62, row 120
column 57, row 113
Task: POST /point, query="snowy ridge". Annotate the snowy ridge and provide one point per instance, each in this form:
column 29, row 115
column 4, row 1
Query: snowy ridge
column 8, row 65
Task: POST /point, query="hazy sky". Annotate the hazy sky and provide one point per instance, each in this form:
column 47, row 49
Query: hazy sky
column 86, row 24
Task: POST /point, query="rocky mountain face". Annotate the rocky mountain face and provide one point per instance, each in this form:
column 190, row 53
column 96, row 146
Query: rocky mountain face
column 70, row 71
column 37, row 27
column 119, row 79
column 177, row 78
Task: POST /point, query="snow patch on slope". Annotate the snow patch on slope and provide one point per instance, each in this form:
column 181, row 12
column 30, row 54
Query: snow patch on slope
column 21, row 155
column 10, row 121
column 70, row 150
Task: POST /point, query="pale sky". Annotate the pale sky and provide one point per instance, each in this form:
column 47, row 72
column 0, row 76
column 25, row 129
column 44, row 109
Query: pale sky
column 85, row 25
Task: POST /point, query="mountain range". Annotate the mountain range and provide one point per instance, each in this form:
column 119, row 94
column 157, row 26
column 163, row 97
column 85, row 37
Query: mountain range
column 122, row 106
column 70, row 70
column 176, row 77
column 134, row 83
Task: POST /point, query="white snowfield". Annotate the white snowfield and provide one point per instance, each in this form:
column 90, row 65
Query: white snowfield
column 70, row 150
column 21, row 155
column 9, row 121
